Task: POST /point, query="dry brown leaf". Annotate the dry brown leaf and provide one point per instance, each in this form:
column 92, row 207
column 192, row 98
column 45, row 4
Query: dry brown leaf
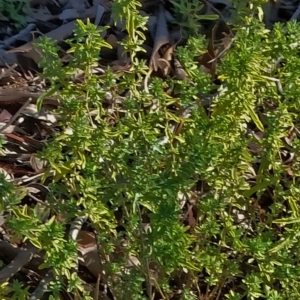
column 86, row 239
column 9, row 75
column 100, row 12
column 25, row 144
column 40, row 14
column 88, row 249
column 209, row 55
column 5, row 116
column 32, row 142
column 226, row 40
column 224, row 46
column 168, row 54
column 255, row 148
column 190, row 216
column 7, row 58
column 151, row 24
column 20, row 95
column 105, row 3
column 32, row 111
column 220, row 35
column 11, row 169
column 291, row 136
column 112, row 40
column 119, row 66
column 9, row 129
column 122, row 54
column 179, row 72
column 13, row 158
column 289, row 170
column 163, row 65
column 161, row 36
column 58, row 34
column 80, row 5
column 69, row 14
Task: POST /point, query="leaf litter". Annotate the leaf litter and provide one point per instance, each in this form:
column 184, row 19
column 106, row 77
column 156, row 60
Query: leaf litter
column 25, row 129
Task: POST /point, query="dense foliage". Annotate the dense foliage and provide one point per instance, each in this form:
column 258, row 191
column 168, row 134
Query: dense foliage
column 236, row 162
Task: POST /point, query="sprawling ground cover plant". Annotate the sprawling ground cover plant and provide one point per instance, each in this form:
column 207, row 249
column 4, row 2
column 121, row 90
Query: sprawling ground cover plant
column 203, row 194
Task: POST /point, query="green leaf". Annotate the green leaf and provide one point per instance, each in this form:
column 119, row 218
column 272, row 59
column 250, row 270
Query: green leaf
column 258, row 187
column 50, row 221
column 36, row 243
column 255, row 118
column 280, row 246
column 287, row 221
column 20, row 214
column 46, row 94
column 260, row 14
column 211, row 17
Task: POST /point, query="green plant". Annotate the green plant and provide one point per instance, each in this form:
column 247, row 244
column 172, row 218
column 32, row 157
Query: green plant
column 9, row 195
column 13, row 10
column 106, row 159
column 191, row 13
column 241, row 9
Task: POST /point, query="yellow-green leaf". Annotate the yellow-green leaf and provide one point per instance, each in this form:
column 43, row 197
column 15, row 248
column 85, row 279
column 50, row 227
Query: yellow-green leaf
column 287, row 221
column 20, row 214
column 36, row 243
column 255, row 118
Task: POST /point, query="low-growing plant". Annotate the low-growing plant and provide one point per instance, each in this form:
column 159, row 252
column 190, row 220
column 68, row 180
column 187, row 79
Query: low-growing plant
column 190, row 13
column 245, row 237
column 13, row 11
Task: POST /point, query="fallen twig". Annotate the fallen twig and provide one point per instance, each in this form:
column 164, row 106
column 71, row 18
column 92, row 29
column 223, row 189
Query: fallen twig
column 18, row 36
column 22, row 258
column 16, row 115
column 42, row 287
column 7, row 71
